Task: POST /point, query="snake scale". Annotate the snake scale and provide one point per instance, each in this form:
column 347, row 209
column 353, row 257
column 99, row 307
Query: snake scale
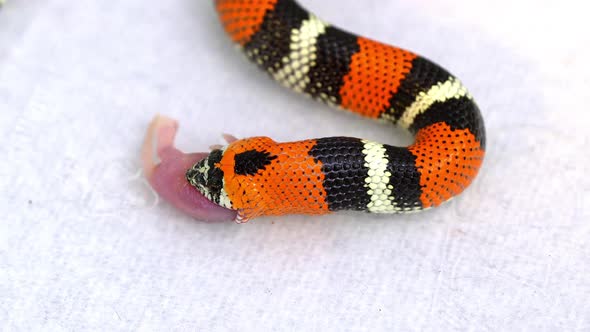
column 258, row 176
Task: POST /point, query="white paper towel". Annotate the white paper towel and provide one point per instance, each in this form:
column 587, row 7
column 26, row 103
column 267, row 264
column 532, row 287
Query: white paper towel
column 86, row 245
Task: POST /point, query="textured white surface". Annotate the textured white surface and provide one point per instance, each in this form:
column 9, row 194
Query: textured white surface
column 85, row 244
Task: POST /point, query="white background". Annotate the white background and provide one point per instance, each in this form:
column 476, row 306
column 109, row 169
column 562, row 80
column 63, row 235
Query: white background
column 86, row 245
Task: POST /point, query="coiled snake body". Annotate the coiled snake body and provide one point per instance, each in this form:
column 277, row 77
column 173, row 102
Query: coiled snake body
column 257, row 176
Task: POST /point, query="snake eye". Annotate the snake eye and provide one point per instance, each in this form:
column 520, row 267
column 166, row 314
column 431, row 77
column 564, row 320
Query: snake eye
column 215, row 179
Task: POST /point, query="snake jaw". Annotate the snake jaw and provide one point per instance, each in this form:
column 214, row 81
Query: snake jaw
column 241, row 217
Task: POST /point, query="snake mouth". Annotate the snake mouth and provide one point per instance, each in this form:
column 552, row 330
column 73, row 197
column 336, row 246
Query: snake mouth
column 165, row 168
column 207, row 177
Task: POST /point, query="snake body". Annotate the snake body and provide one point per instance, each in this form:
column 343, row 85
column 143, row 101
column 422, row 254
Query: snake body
column 258, row 176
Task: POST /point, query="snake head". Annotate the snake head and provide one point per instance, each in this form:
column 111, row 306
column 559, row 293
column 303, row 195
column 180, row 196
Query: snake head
column 207, row 177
